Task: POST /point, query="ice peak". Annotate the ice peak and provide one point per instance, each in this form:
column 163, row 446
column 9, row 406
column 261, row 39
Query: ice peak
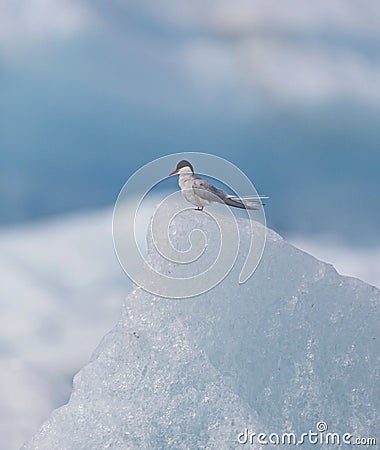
column 294, row 345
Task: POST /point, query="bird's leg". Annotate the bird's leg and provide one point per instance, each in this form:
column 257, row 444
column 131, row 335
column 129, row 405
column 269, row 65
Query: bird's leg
column 200, row 208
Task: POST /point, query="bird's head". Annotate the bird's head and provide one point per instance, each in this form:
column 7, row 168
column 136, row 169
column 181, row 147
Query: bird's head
column 183, row 167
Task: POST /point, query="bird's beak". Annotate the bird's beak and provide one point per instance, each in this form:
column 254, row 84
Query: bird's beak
column 173, row 173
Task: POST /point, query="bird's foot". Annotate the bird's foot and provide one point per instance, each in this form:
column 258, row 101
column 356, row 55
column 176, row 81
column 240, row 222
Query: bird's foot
column 200, row 208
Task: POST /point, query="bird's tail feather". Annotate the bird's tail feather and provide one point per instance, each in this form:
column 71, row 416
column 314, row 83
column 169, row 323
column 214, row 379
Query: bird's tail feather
column 245, row 202
column 237, row 203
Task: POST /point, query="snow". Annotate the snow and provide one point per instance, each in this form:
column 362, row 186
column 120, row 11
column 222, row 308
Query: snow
column 294, row 345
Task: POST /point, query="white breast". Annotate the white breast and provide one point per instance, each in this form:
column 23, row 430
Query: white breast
column 185, row 181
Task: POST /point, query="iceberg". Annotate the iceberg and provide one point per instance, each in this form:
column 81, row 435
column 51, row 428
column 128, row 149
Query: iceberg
column 294, row 347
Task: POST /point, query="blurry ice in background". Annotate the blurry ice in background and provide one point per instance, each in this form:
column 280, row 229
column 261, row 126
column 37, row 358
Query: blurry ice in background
column 61, row 290
column 90, row 91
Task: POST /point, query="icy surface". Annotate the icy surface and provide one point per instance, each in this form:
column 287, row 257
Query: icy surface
column 363, row 263
column 296, row 344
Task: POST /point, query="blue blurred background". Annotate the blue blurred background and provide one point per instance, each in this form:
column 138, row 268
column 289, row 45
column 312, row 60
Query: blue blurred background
column 90, row 91
column 290, row 93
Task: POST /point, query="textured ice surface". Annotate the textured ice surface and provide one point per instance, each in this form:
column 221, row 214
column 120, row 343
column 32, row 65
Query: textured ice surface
column 296, row 344
column 363, row 263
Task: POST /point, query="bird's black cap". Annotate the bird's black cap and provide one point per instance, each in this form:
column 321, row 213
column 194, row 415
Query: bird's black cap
column 184, row 163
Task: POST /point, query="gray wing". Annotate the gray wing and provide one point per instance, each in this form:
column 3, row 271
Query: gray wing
column 207, row 191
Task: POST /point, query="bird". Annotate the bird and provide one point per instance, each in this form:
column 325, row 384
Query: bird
column 201, row 193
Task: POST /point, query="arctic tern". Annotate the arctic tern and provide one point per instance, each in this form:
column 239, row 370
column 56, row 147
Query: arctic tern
column 201, row 193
